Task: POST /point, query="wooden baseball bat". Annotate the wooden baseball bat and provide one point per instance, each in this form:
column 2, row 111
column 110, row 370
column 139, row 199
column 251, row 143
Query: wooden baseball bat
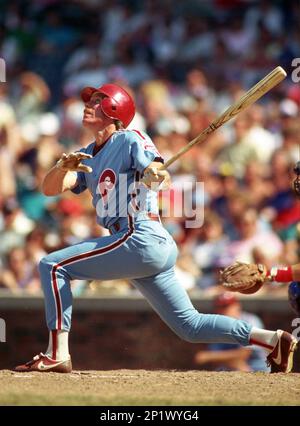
column 253, row 94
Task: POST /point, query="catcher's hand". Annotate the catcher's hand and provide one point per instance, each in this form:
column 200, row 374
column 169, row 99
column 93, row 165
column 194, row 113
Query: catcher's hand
column 245, row 278
column 72, row 162
column 155, row 178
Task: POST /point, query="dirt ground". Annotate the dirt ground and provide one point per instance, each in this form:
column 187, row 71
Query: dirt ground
column 140, row 387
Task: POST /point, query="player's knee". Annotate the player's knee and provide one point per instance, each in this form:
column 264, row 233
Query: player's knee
column 188, row 334
column 45, row 265
column 191, row 337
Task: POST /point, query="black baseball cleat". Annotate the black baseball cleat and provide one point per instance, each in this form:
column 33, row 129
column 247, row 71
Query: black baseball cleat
column 44, row 364
column 281, row 358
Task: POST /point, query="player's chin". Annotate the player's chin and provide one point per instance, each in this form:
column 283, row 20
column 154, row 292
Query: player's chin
column 87, row 121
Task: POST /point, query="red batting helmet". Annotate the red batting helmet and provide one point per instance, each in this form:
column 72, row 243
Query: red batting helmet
column 117, row 104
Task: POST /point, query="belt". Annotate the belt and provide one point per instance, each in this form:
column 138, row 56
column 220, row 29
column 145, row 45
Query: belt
column 149, row 216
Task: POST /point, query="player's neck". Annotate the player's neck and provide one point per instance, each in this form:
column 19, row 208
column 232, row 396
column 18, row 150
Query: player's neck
column 101, row 136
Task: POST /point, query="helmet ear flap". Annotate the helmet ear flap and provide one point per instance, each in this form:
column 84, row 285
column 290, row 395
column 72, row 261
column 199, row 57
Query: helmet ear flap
column 109, row 107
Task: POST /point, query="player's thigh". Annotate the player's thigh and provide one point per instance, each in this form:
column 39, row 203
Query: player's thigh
column 167, row 297
column 100, row 258
column 111, row 257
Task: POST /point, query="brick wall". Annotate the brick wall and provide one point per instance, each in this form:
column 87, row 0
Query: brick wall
column 110, row 340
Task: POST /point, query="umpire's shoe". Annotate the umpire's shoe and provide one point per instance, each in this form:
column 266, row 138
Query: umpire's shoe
column 281, row 358
column 44, row 364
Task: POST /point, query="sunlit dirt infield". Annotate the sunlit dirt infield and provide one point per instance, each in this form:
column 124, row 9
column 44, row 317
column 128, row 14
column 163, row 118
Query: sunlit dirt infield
column 141, row 387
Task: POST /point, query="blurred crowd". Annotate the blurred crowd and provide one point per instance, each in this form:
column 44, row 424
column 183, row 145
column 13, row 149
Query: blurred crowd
column 184, row 65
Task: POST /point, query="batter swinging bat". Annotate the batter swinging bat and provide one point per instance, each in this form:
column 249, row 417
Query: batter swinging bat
column 253, row 94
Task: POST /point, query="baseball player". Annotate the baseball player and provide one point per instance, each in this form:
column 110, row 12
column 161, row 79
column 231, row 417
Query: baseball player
column 249, row 278
column 139, row 248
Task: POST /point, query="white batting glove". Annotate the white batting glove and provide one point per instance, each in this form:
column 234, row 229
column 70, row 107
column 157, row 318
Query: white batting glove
column 72, row 162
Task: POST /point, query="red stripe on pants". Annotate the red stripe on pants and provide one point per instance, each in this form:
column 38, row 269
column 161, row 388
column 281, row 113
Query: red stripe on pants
column 82, row 256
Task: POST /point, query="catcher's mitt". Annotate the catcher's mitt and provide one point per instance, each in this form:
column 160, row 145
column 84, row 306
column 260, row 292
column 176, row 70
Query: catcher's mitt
column 245, row 278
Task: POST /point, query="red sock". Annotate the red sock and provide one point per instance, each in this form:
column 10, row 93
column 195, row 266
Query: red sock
column 54, row 343
column 262, row 344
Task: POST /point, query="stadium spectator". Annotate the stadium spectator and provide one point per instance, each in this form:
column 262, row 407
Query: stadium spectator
column 252, row 237
column 209, row 243
column 20, row 273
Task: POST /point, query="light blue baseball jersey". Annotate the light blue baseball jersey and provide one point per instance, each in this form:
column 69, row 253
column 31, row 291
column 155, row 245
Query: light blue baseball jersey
column 117, row 168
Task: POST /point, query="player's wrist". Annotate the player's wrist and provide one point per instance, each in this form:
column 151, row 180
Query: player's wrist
column 61, row 166
column 155, row 179
column 282, row 274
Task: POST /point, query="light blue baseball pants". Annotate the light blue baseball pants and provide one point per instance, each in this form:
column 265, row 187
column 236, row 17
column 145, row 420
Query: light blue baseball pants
column 145, row 253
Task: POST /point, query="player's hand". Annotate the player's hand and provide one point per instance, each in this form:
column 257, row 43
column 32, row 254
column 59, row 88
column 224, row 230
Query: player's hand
column 72, row 162
column 155, row 178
